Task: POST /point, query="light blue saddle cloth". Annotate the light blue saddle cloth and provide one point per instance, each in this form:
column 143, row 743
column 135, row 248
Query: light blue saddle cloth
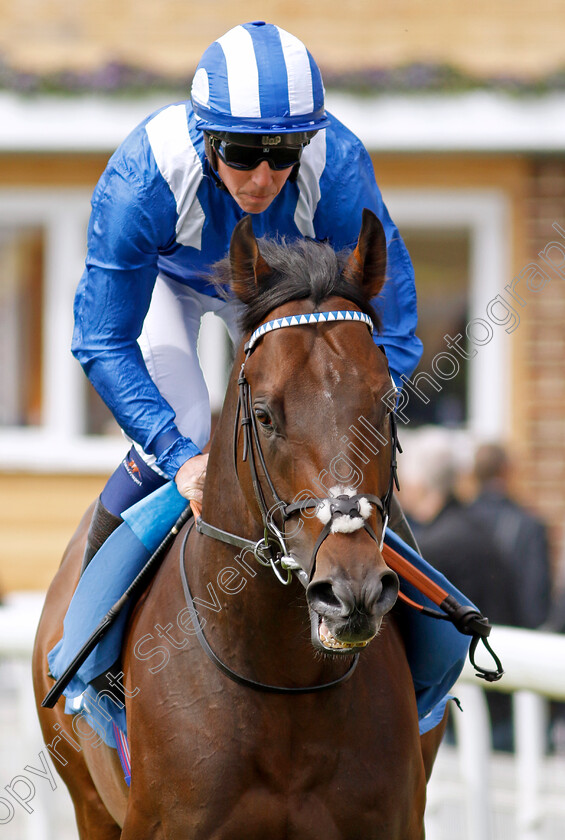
column 436, row 650
column 106, row 578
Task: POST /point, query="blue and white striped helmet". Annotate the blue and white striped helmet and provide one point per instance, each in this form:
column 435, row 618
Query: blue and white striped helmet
column 258, row 79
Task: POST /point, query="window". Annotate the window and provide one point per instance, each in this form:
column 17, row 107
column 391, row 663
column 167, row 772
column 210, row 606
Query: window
column 21, row 303
column 471, row 225
column 45, row 409
column 441, row 261
column 50, row 416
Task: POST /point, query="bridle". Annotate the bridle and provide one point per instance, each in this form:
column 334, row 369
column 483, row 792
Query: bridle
column 271, row 550
column 345, row 511
column 348, row 508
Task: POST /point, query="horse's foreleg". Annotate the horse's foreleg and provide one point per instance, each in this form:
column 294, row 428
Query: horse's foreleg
column 93, row 820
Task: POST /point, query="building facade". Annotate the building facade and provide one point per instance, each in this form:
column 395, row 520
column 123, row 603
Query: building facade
column 475, row 179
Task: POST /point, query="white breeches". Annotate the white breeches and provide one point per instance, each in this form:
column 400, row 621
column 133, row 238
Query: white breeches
column 169, row 343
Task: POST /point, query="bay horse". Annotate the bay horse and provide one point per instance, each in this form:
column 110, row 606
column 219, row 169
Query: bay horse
column 305, row 724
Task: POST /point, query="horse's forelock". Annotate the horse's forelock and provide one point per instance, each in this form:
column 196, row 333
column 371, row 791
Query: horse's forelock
column 301, row 269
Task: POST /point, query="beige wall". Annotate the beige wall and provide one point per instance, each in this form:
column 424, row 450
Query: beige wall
column 38, row 516
column 47, row 170
column 484, row 37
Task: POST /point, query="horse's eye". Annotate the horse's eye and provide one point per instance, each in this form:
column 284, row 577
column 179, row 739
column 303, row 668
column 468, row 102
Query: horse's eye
column 263, row 418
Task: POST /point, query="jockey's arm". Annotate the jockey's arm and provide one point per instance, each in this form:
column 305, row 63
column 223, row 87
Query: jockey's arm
column 112, row 301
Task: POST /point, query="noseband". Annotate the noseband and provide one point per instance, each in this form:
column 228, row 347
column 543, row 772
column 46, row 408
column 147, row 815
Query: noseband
column 345, row 512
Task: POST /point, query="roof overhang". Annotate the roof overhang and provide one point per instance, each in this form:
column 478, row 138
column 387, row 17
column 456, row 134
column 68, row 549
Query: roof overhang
column 478, row 121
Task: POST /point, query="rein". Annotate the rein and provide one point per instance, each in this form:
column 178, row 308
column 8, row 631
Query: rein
column 246, row 682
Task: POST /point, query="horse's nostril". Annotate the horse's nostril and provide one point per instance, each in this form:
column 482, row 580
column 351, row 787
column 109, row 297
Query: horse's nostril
column 388, row 592
column 322, row 598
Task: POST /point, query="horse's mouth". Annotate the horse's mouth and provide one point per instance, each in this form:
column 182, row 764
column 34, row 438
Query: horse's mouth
column 322, row 637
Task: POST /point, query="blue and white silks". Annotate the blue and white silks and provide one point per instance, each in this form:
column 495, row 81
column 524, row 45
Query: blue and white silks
column 157, row 210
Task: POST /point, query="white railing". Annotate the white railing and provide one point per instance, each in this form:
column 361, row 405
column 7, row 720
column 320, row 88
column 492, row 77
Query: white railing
column 518, row 797
column 490, row 796
column 32, row 806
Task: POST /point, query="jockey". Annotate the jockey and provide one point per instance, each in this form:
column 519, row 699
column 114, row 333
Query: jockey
column 254, row 139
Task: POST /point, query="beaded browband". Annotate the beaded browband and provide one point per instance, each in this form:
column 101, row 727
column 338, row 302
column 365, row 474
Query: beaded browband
column 312, row 318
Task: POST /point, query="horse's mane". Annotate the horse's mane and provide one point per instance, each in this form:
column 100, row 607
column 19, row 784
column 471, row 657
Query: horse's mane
column 302, row 268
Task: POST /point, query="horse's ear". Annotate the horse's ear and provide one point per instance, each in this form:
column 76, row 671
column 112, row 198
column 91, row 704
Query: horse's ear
column 248, row 268
column 366, row 267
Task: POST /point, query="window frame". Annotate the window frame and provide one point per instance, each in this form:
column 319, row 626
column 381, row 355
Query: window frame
column 58, row 443
column 485, row 214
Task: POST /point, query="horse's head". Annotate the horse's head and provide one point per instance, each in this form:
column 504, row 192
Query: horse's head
column 316, row 430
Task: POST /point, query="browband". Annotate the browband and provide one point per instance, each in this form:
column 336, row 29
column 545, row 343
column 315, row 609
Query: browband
column 312, row 318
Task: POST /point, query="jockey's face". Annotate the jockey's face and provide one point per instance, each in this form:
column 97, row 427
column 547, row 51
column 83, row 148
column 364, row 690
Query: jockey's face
column 253, row 189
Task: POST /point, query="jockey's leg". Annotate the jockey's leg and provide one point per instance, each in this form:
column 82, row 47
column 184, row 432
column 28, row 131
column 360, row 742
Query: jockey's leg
column 132, row 481
column 169, row 344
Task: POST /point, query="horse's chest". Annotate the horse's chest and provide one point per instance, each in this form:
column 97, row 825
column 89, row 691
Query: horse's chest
column 286, row 777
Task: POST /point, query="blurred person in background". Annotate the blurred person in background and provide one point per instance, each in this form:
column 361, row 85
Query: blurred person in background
column 522, row 540
column 454, row 539
column 556, row 618
column 521, row 537
column 449, row 533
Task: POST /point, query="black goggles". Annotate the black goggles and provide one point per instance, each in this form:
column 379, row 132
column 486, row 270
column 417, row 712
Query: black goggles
column 248, row 157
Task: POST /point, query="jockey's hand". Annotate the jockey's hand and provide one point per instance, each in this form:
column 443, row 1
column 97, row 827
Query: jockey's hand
column 190, row 478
